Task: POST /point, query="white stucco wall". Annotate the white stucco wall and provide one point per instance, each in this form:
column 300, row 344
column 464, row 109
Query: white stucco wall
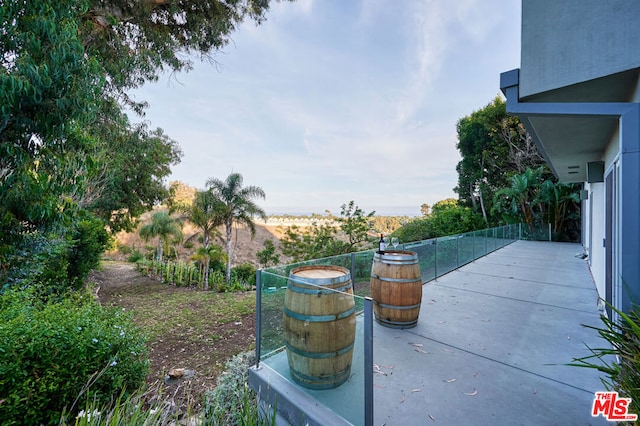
column 595, row 231
column 599, row 38
column 596, row 251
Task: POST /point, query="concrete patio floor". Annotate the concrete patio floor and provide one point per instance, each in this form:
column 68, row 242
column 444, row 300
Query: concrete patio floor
column 489, row 349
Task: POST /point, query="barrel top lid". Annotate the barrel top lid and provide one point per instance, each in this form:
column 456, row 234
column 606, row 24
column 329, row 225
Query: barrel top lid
column 319, row 273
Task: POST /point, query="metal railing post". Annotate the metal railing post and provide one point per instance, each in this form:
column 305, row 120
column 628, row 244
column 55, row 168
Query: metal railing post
column 368, row 361
column 549, row 231
column 258, row 314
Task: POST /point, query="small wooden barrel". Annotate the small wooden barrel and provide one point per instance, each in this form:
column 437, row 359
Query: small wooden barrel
column 396, row 287
column 320, row 325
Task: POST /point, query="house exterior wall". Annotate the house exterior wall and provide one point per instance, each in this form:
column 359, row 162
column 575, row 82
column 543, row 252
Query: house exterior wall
column 566, row 42
column 580, row 60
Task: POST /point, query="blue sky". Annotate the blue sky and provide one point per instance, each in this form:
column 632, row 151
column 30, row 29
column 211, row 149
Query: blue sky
column 329, row 101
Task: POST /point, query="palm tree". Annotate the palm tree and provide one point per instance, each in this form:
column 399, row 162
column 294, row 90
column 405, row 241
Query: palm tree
column 164, row 226
column 206, row 214
column 238, row 207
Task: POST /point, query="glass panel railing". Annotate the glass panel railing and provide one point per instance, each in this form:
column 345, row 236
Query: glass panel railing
column 276, row 312
column 426, row 251
column 447, row 254
column 312, row 334
column 466, row 252
column 541, row 232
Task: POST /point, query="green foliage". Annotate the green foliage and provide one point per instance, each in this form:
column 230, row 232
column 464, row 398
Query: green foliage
column 135, row 256
column 232, row 402
column 323, row 240
column 237, row 207
column 535, row 201
column 89, row 241
column 53, row 353
column 56, row 262
column 447, row 218
column 65, row 68
column 387, row 224
column 129, row 164
column 623, row 373
column 493, row 146
column 124, row 249
column 246, row 274
column 164, row 227
column 268, row 256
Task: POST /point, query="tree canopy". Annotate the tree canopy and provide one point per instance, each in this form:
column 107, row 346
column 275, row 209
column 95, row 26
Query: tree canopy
column 493, row 146
column 67, row 144
column 503, row 176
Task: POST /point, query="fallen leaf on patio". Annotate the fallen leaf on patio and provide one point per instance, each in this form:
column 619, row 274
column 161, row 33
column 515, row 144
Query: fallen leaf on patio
column 403, row 399
column 418, row 345
column 416, row 390
column 447, row 350
column 474, row 393
column 568, row 337
column 535, row 391
column 476, row 373
column 441, row 322
column 431, row 417
column 377, row 369
column 388, row 366
column 421, row 351
column 450, row 380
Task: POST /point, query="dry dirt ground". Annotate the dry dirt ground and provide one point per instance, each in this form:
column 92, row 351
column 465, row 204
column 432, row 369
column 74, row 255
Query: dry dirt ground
column 119, row 284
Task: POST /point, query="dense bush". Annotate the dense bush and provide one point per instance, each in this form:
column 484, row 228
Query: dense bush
column 56, row 262
column 232, row 402
column 246, row 274
column 447, row 218
column 52, row 353
column 89, row 240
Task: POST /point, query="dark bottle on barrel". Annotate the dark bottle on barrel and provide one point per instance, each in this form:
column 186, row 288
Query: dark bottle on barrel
column 381, row 245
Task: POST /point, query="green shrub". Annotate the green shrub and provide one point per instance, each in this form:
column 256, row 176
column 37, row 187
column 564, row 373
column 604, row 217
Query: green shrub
column 246, row 274
column 52, row 353
column 135, row 256
column 89, row 241
column 232, row 402
column 623, row 373
column 124, row 249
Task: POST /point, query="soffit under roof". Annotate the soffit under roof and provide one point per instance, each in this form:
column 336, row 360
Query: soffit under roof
column 569, row 143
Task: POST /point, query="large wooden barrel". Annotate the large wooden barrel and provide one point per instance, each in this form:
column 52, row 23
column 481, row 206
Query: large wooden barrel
column 320, row 325
column 396, row 288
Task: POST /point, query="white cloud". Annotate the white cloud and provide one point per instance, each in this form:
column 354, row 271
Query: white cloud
column 328, row 102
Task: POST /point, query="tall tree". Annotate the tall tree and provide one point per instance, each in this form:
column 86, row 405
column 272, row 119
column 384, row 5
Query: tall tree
column 206, row 214
column 164, row 227
column 493, row 147
column 66, row 66
column 239, row 207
